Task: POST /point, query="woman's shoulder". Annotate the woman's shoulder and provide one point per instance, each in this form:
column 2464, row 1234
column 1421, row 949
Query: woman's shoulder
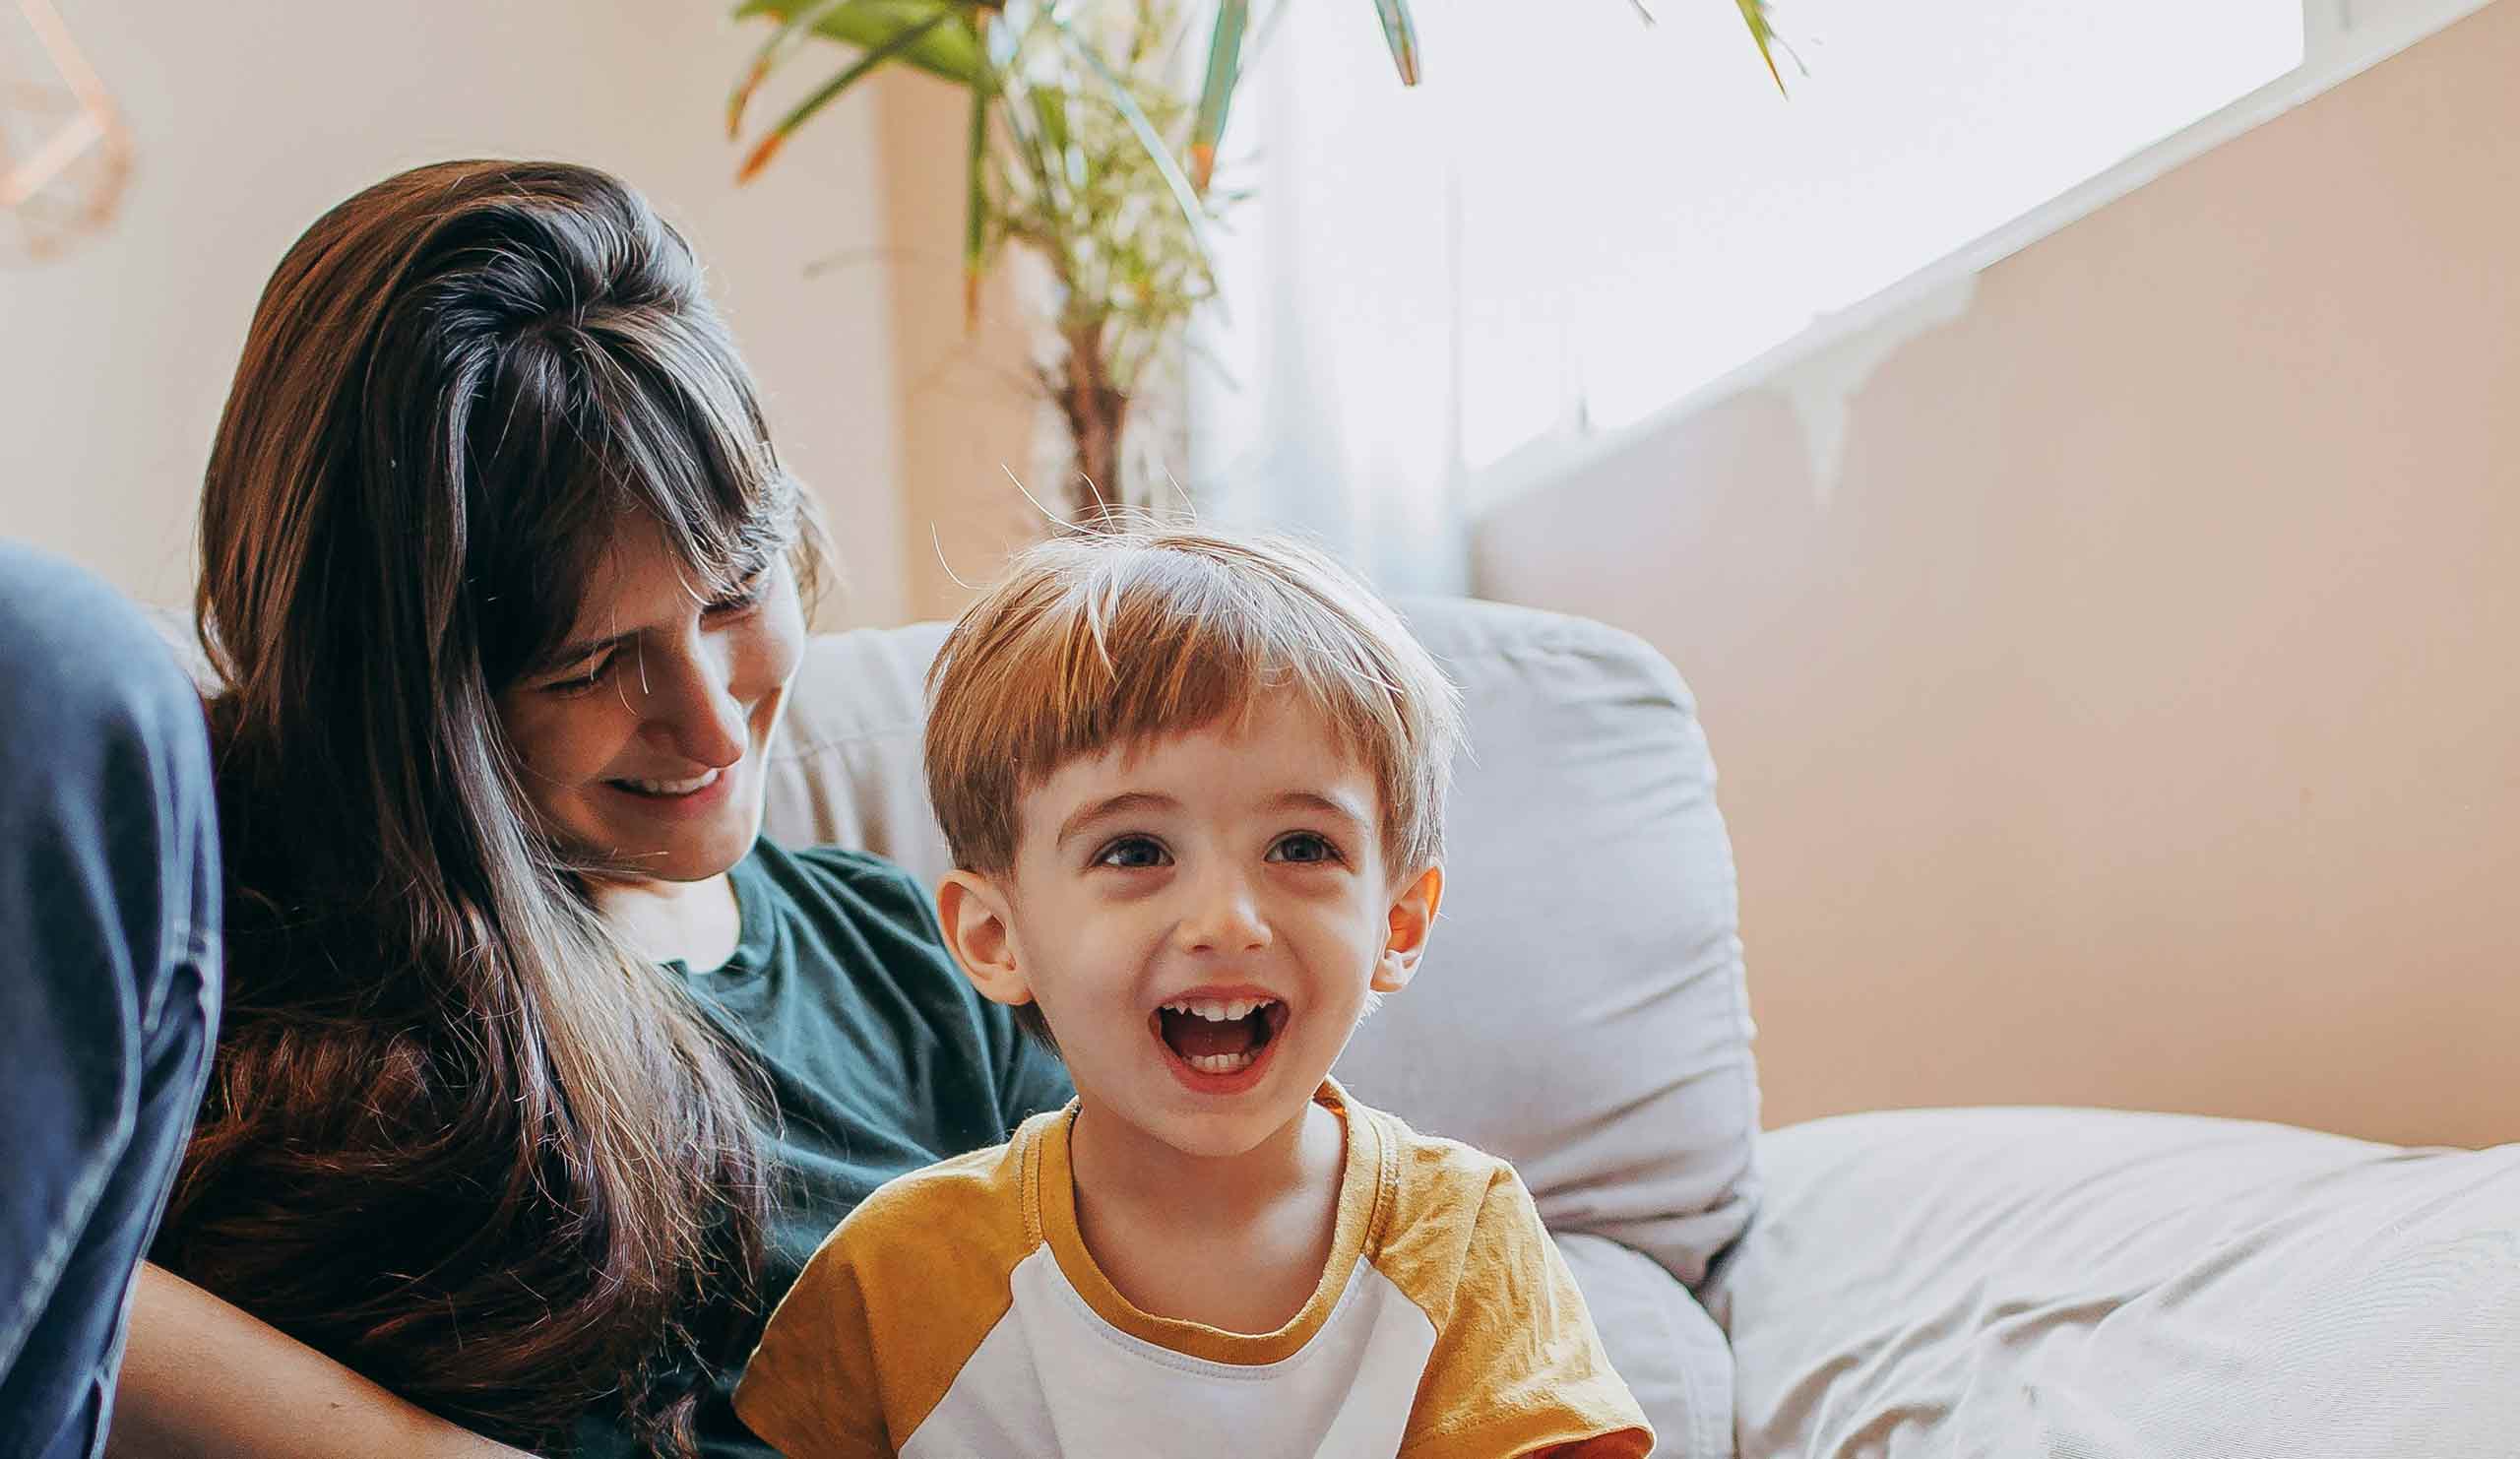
column 839, row 863
column 827, row 874
column 843, row 907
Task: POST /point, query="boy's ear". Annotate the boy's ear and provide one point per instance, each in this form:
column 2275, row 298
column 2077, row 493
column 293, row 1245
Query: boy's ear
column 981, row 933
column 1413, row 919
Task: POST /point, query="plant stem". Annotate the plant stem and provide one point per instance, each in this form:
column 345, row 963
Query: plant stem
column 1096, row 418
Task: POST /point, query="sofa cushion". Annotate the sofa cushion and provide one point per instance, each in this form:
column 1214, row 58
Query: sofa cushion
column 2108, row 1285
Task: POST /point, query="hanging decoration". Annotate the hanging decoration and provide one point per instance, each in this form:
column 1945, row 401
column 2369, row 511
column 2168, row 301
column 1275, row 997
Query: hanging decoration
column 65, row 155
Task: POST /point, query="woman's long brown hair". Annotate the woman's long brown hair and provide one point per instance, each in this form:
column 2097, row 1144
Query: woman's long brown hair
column 459, row 1137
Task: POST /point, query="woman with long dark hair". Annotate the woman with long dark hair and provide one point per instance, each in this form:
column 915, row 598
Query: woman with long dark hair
column 538, row 1073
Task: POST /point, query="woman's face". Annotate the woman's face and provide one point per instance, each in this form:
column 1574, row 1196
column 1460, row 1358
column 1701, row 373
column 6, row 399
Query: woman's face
column 643, row 738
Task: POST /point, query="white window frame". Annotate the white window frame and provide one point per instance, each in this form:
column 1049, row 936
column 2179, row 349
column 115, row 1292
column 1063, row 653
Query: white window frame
column 2340, row 39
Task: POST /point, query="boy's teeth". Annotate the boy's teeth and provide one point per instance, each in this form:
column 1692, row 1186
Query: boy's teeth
column 1221, row 1064
column 1219, row 1010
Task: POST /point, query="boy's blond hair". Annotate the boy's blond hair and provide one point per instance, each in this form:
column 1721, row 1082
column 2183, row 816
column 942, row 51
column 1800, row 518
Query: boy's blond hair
column 1115, row 638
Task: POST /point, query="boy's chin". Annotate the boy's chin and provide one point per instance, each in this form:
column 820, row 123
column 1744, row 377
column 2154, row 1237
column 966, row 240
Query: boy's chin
column 1220, row 1134
column 1216, row 1142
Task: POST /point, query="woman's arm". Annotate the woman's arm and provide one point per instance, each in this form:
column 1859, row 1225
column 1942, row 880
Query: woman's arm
column 202, row 1379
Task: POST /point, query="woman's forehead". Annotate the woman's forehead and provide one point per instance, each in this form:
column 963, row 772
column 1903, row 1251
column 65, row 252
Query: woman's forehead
column 638, row 581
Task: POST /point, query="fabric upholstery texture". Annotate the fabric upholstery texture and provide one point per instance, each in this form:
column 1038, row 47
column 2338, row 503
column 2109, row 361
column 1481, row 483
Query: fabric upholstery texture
column 2095, row 1285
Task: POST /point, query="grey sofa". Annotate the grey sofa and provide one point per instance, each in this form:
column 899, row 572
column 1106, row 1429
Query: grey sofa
column 2067, row 1282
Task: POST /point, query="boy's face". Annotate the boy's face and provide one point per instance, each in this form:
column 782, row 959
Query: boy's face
column 1200, row 922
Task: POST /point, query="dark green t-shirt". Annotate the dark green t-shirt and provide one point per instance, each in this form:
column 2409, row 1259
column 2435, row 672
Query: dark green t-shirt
column 880, row 1055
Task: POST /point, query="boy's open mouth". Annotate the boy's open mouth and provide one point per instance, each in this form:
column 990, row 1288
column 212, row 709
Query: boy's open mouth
column 1220, row 1036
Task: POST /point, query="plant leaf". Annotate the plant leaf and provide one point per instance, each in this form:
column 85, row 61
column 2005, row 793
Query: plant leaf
column 897, row 45
column 976, row 175
column 1029, row 145
column 781, row 45
column 1401, row 36
column 1049, row 104
column 1754, row 13
column 1216, row 92
column 951, row 53
column 1184, row 196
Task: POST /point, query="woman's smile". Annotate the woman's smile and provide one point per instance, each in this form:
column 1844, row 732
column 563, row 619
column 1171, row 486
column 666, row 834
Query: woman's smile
column 684, row 799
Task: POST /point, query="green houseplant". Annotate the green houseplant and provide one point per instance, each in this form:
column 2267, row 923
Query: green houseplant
column 1085, row 147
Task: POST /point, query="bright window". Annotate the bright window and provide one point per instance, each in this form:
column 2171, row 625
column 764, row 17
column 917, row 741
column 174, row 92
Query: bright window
column 1634, row 212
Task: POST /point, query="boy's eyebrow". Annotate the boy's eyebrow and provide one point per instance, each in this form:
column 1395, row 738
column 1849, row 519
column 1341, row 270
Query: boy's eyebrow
column 1111, row 805
column 1335, row 805
column 1088, row 816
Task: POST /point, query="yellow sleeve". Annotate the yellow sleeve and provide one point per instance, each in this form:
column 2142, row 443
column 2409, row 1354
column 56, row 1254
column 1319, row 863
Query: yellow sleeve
column 811, row 1390
column 1516, row 1367
column 895, row 1301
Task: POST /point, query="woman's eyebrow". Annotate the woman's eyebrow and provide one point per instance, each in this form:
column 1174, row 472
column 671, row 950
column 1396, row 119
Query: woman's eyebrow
column 572, row 653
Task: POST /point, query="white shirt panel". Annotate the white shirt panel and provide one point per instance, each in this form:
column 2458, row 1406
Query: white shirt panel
column 1053, row 1378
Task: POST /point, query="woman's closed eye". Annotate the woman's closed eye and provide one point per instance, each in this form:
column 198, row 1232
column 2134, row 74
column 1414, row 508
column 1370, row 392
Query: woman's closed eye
column 1305, row 849
column 586, row 677
column 1133, row 853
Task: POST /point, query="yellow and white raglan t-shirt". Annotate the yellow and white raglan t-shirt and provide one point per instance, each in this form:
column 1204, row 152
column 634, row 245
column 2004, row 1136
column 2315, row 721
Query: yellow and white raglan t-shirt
column 958, row 1314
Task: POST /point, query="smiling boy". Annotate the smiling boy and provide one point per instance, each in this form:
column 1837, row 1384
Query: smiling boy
column 1195, row 790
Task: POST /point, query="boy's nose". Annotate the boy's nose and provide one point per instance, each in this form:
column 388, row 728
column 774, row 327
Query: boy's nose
column 1224, row 920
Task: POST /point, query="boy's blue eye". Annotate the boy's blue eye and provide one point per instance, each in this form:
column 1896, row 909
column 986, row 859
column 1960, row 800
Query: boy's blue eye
column 1131, row 853
column 1303, row 848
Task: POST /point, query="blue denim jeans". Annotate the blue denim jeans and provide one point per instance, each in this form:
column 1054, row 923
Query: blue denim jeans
column 109, row 902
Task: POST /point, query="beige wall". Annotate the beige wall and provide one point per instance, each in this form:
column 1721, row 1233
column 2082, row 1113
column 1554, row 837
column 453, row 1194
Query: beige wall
column 2134, row 724
column 967, row 409
column 252, row 117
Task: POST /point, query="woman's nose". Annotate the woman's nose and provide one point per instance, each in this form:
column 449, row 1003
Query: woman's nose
column 699, row 713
